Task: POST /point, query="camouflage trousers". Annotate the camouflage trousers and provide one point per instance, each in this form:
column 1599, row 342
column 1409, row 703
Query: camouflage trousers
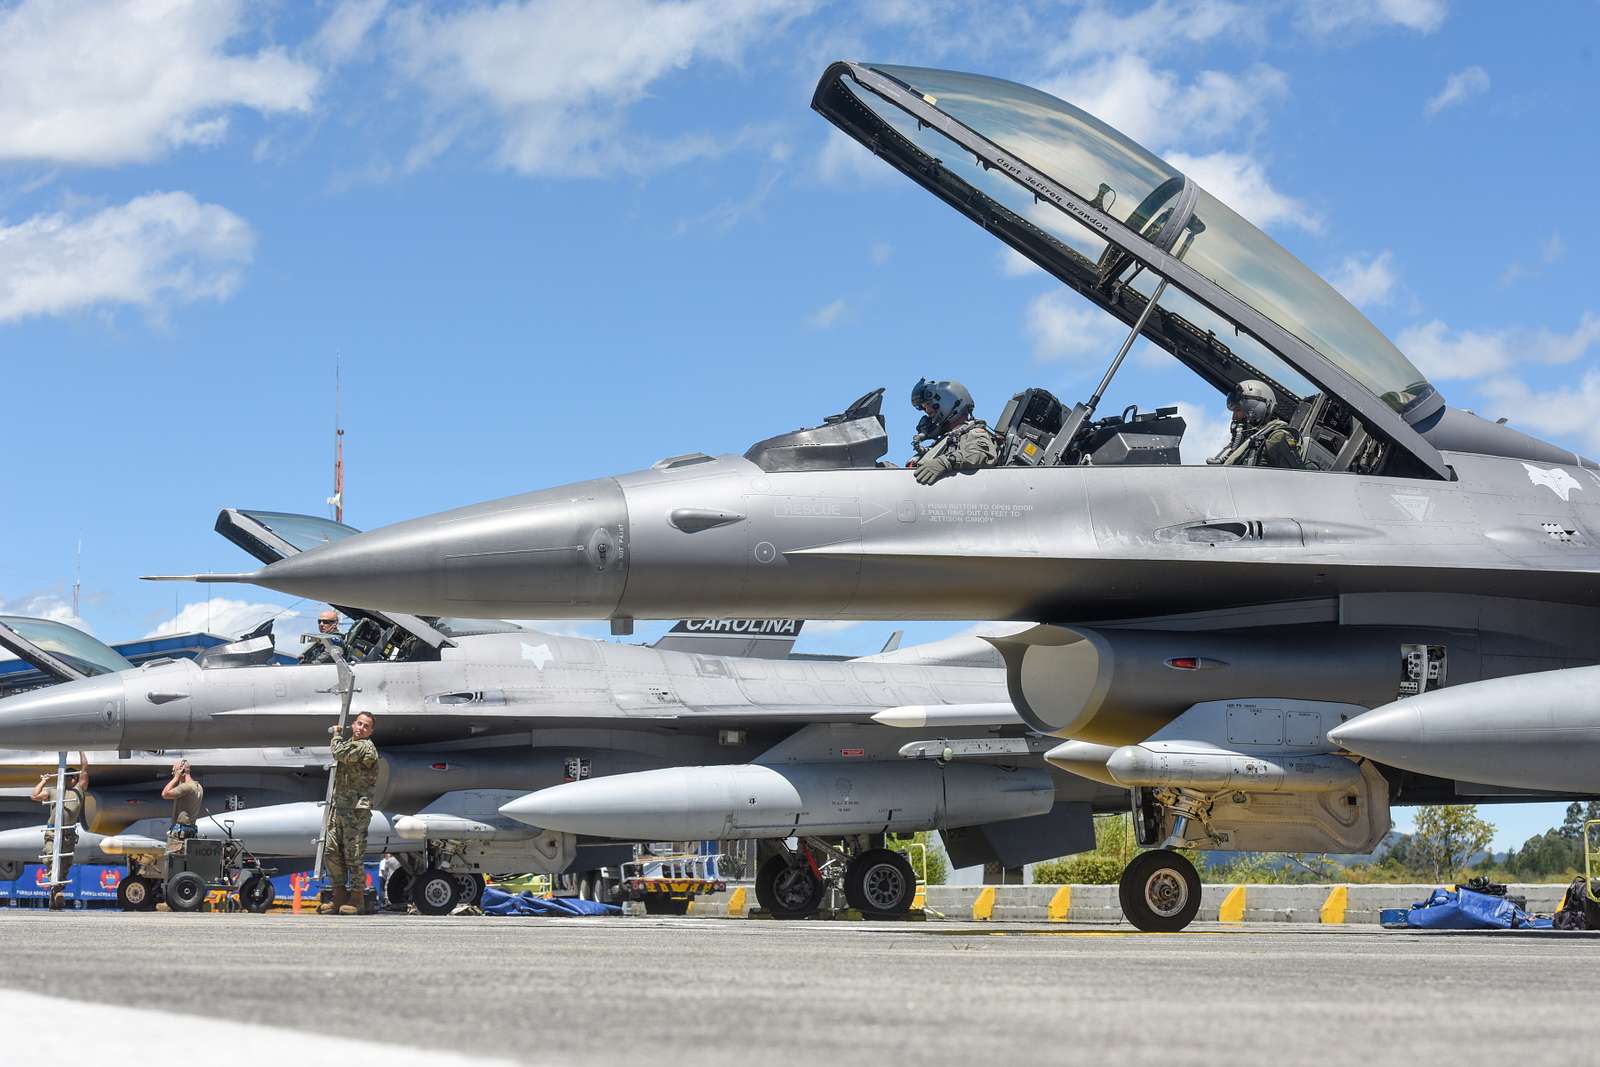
column 347, row 844
column 69, row 845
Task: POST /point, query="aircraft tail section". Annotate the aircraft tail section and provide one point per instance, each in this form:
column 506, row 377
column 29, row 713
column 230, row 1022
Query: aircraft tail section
column 750, row 638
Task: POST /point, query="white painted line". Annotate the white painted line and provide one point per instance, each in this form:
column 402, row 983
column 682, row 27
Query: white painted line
column 99, row 1033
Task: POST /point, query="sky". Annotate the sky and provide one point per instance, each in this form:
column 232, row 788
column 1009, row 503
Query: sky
column 555, row 239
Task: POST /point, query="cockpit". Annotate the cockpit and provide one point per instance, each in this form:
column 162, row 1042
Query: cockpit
column 1146, row 244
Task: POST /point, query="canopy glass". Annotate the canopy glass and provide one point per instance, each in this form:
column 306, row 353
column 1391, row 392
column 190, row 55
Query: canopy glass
column 74, row 647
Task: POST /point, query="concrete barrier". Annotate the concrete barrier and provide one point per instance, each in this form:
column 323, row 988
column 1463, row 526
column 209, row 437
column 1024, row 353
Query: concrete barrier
column 1347, row 904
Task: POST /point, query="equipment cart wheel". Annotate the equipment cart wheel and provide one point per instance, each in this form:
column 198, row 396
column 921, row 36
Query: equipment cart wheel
column 661, row 904
column 136, row 894
column 879, row 883
column 788, row 890
column 1160, row 891
column 471, row 888
column 257, row 893
column 186, row 891
column 436, row 892
column 397, row 889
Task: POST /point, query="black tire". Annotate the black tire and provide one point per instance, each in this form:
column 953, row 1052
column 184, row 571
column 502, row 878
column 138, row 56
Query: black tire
column 879, row 883
column 136, row 894
column 1160, row 891
column 436, row 892
column 256, row 893
column 186, row 891
column 472, row 886
column 661, row 904
column 787, row 891
column 397, row 889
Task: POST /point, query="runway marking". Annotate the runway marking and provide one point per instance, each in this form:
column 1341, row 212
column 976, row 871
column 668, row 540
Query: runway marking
column 56, row 1023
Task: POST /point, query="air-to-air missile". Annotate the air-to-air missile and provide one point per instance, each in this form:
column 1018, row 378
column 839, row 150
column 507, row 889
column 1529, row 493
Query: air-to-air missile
column 1532, row 732
column 1402, row 546
column 471, row 716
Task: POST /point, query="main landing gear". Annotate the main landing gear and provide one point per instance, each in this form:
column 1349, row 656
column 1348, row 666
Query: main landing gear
column 1160, row 891
column 791, row 884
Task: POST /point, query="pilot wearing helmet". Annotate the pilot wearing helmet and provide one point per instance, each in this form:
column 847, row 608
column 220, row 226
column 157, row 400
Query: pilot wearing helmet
column 948, row 438
column 1258, row 438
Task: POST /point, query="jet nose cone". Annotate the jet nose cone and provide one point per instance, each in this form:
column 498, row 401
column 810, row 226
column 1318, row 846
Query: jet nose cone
column 1083, row 758
column 21, row 844
column 1384, row 734
column 557, row 553
column 84, row 714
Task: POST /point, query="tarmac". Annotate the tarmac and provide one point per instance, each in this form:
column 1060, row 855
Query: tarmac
column 707, row 992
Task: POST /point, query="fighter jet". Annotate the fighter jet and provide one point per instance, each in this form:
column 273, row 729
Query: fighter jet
column 1220, row 620
column 473, row 716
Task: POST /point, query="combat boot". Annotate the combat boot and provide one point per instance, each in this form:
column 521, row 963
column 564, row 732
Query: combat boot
column 356, row 904
column 332, row 905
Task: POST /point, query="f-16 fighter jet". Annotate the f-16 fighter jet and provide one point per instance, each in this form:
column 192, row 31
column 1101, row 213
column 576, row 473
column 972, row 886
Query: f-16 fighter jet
column 472, row 716
column 1201, row 629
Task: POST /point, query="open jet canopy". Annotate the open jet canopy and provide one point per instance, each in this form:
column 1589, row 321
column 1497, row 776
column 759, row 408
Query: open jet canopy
column 57, row 649
column 1125, row 228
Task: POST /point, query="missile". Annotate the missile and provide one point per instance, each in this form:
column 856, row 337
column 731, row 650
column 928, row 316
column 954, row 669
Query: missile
column 1178, row 766
column 912, row 716
column 1539, row 732
column 292, row 829
column 754, row 800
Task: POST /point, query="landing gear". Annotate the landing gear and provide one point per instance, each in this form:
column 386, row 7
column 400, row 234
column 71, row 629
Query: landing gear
column 436, row 892
column 879, row 883
column 256, row 893
column 789, row 886
column 471, row 888
column 397, row 889
column 136, row 894
column 1160, row 891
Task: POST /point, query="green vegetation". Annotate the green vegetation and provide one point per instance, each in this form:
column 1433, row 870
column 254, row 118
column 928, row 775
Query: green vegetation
column 938, row 865
column 1113, row 848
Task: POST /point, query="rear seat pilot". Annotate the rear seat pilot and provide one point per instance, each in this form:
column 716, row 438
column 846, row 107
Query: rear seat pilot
column 959, row 442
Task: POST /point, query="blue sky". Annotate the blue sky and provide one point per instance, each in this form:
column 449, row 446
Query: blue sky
column 556, row 239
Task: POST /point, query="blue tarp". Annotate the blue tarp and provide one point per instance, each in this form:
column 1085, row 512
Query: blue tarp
column 89, row 882
column 1466, row 910
column 499, row 902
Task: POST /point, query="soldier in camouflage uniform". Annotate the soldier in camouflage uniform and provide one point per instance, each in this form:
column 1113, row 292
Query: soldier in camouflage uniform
column 355, row 773
column 959, row 441
column 71, row 815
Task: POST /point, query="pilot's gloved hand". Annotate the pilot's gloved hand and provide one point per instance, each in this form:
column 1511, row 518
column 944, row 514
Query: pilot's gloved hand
column 930, row 471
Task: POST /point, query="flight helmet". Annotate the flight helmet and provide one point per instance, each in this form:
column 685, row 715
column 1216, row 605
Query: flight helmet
column 1252, row 402
column 951, row 401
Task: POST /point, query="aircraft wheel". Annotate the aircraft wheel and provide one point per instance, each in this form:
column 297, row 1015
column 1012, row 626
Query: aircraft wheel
column 879, row 883
column 257, row 893
column 436, row 892
column 136, row 894
column 471, row 888
column 788, row 891
column 1160, row 891
column 661, row 904
column 186, row 891
column 397, row 889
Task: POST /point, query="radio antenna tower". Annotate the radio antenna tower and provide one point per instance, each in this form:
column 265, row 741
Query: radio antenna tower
column 336, row 501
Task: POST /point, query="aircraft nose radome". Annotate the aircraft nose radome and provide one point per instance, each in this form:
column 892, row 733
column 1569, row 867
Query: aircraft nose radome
column 1383, row 733
column 83, row 714
column 555, row 553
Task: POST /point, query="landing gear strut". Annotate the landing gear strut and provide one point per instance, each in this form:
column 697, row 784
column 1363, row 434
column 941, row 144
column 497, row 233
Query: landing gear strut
column 1160, row 891
column 790, row 885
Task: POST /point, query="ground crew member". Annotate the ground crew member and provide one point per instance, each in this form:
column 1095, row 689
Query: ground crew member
column 355, row 773
column 187, row 796
column 71, row 815
column 959, row 442
column 1258, row 438
column 327, row 626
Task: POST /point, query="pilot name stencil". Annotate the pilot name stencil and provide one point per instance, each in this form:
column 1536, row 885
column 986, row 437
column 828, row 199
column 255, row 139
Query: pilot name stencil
column 975, row 514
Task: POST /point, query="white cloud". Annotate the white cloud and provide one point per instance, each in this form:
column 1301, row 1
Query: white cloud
column 813, row 627
column 558, row 77
column 347, row 28
column 92, row 83
column 155, row 250
column 1366, row 283
column 1323, row 17
column 1163, row 25
column 1154, row 108
column 1205, row 431
column 1552, row 248
column 1460, row 86
column 828, row 314
column 1565, row 412
column 1240, row 182
column 1064, row 327
column 1014, row 264
column 231, row 618
column 845, row 160
column 1443, row 354
column 42, row 606
column 880, row 253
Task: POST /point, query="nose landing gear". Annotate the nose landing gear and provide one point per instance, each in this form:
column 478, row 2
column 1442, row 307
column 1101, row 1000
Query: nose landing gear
column 1160, row 891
